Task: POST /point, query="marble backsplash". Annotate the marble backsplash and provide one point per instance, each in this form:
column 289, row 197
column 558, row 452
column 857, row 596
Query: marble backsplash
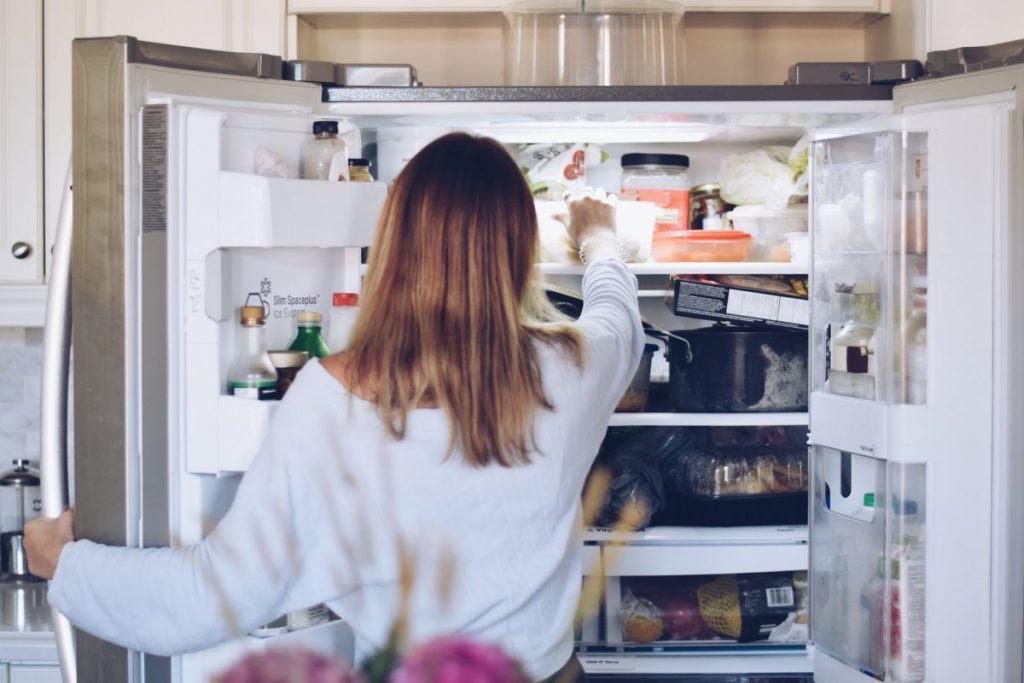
column 21, row 355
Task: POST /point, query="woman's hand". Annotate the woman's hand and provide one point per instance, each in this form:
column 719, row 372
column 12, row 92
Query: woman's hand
column 590, row 212
column 45, row 538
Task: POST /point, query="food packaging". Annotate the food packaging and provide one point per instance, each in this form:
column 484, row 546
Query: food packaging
column 768, row 227
column 744, row 486
column 673, row 246
column 743, row 607
column 774, row 300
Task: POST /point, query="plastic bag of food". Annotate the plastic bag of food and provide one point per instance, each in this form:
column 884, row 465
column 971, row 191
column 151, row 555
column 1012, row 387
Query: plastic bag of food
column 641, row 620
column 553, row 169
column 774, row 175
column 642, row 461
column 747, row 606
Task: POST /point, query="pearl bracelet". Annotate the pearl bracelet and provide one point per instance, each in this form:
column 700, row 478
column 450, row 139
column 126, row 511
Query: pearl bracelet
column 609, row 239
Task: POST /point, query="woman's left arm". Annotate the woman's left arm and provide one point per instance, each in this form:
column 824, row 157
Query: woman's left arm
column 173, row 600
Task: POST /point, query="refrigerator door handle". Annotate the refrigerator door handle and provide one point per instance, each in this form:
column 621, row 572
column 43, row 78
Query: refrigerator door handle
column 54, row 409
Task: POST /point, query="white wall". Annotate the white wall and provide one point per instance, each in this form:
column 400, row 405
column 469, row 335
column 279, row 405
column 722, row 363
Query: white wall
column 958, row 23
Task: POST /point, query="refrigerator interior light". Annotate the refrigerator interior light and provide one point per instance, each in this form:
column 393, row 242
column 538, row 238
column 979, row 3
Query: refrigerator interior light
column 600, row 132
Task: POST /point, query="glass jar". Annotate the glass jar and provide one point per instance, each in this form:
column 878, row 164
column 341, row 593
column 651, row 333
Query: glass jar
column 326, row 154
column 663, row 179
column 287, row 364
column 359, row 170
column 707, row 208
column 252, row 375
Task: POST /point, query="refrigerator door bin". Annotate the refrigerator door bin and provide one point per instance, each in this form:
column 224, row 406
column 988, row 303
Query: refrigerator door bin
column 870, row 224
column 868, row 563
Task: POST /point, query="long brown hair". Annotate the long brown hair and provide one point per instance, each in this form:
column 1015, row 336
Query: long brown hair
column 451, row 312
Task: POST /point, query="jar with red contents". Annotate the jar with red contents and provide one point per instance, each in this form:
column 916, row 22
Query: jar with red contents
column 663, row 179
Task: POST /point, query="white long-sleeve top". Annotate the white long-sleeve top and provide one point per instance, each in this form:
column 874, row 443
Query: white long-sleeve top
column 331, row 504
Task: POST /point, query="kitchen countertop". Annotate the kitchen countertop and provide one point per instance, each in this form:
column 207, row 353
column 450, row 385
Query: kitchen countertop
column 25, row 631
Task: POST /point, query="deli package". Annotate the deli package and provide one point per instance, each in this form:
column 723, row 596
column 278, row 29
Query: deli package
column 774, row 300
column 741, row 607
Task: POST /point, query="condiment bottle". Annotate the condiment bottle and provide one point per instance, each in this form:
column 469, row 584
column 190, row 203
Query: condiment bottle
column 359, row 170
column 322, row 150
column 309, row 338
column 287, row 364
column 252, row 375
column 344, row 311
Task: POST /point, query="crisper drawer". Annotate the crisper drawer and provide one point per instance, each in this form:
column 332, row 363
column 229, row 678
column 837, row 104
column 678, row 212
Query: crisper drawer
column 645, row 614
column 697, row 678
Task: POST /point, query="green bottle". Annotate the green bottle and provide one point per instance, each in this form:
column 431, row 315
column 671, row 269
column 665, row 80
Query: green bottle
column 309, row 338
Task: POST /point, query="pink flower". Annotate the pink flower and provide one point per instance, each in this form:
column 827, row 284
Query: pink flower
column 289, row 666
column 454, row 660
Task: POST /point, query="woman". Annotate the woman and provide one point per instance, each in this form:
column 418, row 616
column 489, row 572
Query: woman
column 434, row 468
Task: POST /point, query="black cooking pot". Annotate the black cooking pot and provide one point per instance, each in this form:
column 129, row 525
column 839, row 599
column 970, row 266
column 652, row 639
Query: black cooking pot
column 724, row 369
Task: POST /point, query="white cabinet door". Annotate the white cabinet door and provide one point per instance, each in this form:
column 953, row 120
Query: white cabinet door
column 330, row 6
column 22, row 673
column 234, row 25
column 21, row 142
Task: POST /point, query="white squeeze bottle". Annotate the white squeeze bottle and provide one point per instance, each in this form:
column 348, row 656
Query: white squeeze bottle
column 325, row 147
column 344, row 311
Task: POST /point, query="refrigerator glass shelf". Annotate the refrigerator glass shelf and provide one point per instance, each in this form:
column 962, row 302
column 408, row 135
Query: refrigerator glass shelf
column 691, row 268
column 748, row 658
column 707, row 419
column 722, row 646
column 687, row 535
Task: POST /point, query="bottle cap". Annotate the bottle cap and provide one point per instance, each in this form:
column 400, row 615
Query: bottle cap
column 288, row 359
column 345, row 299
column 252, row 316
column 309, row 317
column 329, row 127
column 359, row 161
column 869, row 500
column 642, row 159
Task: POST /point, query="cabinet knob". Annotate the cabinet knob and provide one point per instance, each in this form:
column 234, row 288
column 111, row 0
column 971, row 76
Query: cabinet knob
column 21, row 250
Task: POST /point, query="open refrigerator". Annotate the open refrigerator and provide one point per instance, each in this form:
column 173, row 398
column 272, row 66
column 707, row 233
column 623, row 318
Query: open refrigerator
column 173, row 231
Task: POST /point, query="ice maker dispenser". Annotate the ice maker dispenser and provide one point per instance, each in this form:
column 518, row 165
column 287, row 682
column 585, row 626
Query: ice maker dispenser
column 868, row 563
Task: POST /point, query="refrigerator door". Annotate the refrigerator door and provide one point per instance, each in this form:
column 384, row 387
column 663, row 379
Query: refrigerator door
column 171, row 224
column 914, row 228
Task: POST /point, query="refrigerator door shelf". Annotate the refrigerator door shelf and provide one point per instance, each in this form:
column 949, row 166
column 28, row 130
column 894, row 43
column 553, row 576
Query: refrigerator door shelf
column 832, row 670
column 242, row 425
column 260, row 211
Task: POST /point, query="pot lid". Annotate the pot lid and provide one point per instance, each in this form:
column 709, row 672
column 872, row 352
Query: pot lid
column 21, row 475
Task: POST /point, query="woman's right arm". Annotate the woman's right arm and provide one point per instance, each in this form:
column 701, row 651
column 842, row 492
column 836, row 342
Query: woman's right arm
column 610, row 321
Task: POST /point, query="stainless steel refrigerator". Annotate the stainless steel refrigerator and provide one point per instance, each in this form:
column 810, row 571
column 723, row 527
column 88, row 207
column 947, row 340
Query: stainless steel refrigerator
column 172, row 230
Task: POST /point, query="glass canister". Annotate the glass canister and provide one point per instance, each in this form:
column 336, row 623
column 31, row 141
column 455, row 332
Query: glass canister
column 593, row 42
column 707, row 208
column 662, row 179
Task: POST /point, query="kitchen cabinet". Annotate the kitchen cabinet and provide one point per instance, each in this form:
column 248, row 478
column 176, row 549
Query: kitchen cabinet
column 951, row 23
column 24, row 673
column 21, row 137
column 328, row 6
column 236, row 25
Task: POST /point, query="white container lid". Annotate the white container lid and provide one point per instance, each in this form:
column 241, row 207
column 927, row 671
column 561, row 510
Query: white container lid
column 766, row 211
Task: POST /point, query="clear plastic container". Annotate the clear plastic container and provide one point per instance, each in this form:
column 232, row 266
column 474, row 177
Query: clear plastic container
column 768, row 227
column 593, row 42
column 635, row 398
column 748, row 472
column 672, row 246
column 663, row 179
